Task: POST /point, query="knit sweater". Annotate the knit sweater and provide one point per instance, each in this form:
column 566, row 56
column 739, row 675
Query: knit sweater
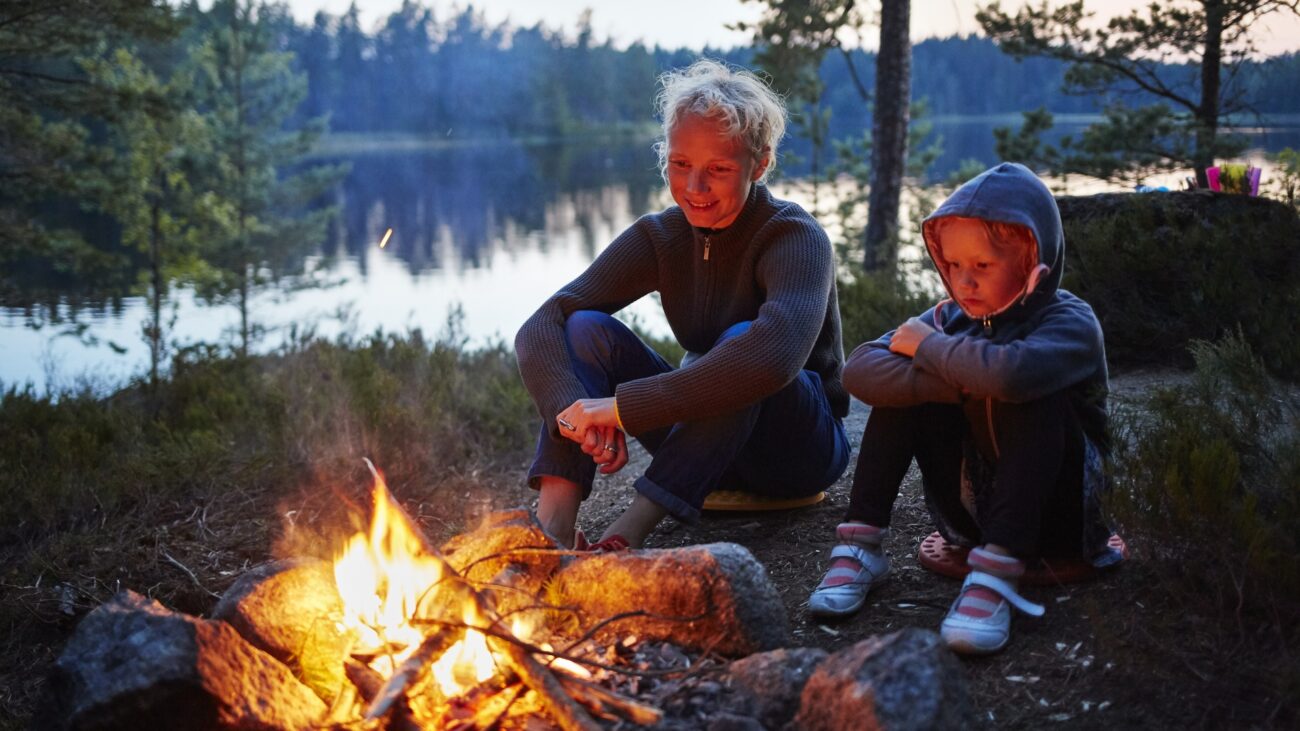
column 773, row 266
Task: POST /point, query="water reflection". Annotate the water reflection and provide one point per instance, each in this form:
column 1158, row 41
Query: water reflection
column 494, row 228
column 459, row 207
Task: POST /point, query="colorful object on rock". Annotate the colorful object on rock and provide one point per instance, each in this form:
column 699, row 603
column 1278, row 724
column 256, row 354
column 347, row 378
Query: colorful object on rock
column 1234, row 178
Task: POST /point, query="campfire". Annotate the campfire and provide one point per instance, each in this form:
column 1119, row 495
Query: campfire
column 425, row 636
column 498, row 628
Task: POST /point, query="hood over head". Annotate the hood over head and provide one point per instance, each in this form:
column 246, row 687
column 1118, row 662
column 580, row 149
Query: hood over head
column 1010, row 193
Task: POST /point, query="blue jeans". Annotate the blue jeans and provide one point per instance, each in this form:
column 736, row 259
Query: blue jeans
column 787, row 445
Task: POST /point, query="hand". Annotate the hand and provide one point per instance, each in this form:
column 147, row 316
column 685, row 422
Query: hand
column 907, row 338
column 593, row 424
column 610, row 450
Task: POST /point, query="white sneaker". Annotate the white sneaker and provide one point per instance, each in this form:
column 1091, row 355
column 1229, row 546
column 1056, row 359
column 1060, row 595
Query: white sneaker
column 843, row 590
column 984, row 635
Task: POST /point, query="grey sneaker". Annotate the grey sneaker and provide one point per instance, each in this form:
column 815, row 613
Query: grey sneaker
column 978, row 625
column 844, row 589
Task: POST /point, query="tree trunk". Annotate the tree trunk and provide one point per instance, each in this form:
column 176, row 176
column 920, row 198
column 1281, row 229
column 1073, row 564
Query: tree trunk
column 889, row 121
column 1207, row 116
column 156, row 283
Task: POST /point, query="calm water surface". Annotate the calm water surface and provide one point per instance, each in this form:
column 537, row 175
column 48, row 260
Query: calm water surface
column 491, row 229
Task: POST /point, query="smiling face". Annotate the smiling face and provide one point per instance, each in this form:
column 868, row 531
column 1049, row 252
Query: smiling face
column 709, row 171
column 982, row 277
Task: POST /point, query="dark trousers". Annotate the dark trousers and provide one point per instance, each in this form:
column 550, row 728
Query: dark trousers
column 787, row 445
column 1033, row 503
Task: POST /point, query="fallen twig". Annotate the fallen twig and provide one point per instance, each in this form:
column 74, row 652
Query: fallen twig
column 188, row 573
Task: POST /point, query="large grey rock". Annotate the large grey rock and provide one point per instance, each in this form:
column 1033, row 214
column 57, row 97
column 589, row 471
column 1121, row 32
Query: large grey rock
column 715, row 596
column 133, row 664
column 291, row 609
column 904, row 681
column 774, row 681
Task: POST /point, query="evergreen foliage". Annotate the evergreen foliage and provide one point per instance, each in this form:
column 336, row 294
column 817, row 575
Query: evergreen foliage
column 248, row 92
column 50, row 109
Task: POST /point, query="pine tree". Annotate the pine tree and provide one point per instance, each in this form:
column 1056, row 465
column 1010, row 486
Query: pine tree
column 49, row 106
column 144, row 184
column 247, row 90
column 1183, row 56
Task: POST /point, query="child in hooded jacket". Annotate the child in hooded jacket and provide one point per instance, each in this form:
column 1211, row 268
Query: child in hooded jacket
column 999, row 394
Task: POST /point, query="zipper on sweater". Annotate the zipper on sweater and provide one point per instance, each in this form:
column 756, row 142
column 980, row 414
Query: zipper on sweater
column 707, row 242
column 993, row 435
column 987, row 321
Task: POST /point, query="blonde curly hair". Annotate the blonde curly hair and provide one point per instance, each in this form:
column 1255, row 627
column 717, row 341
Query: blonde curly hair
column 745, row 104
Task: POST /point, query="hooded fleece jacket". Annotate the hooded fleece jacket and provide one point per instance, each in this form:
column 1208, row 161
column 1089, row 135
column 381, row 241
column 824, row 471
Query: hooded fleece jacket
column 1046, row 341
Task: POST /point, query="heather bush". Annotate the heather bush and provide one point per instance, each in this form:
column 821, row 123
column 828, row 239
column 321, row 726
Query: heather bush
column 1208, row 473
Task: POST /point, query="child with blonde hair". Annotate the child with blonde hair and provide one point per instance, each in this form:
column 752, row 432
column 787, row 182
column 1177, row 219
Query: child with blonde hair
column 999, row 394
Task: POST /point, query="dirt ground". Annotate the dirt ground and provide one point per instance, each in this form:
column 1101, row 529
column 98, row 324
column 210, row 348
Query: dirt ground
column 1112, row 653
column 1117, row 652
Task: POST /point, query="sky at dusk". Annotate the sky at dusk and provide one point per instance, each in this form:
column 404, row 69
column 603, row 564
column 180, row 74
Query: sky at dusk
column 695, row 23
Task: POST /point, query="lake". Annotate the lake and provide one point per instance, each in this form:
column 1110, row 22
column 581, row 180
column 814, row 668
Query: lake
column 488, row 230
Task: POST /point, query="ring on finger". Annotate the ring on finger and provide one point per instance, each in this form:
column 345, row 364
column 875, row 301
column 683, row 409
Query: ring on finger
column 611, row 448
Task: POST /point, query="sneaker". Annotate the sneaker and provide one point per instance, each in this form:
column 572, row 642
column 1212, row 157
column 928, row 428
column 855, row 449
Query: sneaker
column 857, row 564
column 979, row 621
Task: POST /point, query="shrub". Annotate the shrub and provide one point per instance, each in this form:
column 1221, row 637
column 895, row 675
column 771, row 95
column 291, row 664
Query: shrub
column 306, row 413
column 873, row 304
column 1165, row 269
column 1210, row 472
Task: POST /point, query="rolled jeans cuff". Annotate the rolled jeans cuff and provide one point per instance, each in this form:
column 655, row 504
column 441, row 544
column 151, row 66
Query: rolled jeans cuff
column 580, row 475
column 676, row 507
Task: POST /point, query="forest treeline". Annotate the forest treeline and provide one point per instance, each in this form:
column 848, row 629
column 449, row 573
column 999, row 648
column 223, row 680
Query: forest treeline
column 463, row 76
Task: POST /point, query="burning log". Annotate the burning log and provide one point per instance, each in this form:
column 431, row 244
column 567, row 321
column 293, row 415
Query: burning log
column 382, row 700
column 393, row 530
column 712, row 597
column 132, row 663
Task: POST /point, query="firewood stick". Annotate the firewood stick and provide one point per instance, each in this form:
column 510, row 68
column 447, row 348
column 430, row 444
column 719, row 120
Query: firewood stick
column 567, row 712
column 395, row 688
column 587, row 692
column 364, row 680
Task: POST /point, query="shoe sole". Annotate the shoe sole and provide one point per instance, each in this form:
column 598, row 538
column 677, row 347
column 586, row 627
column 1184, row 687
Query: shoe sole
column 963, row 644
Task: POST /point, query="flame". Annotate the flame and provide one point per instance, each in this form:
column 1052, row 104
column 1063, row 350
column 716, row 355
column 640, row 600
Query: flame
column 384, row 241
column 382, row 577
column 465, row 664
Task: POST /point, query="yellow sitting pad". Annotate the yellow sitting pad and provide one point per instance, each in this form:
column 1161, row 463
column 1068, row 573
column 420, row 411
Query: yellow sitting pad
column 737, row 500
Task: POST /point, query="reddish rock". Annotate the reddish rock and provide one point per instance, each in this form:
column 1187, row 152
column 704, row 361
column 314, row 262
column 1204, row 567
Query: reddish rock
column 904, row 681
column 291, row 609
column 507, row 548
column 774, row 681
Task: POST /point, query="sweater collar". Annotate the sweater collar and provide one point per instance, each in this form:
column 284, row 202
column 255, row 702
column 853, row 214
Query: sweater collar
column 759, row 199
